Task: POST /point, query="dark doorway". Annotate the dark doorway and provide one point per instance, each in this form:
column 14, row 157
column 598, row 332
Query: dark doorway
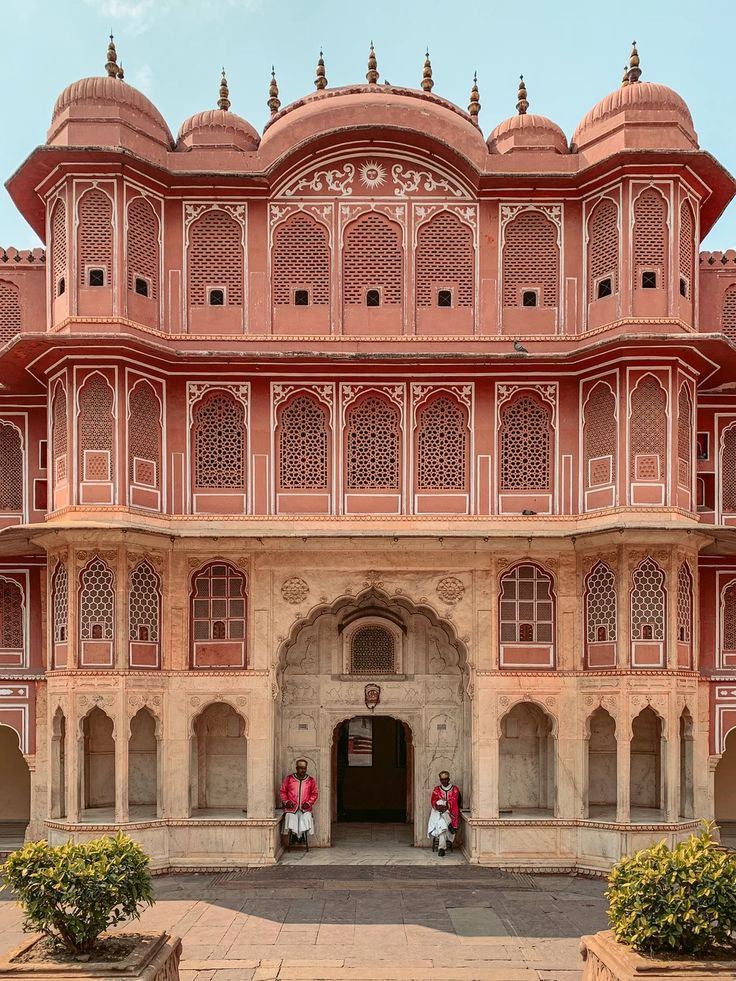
column 372, row 759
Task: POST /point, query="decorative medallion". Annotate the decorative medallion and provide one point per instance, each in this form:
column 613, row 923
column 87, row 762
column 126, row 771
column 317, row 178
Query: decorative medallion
column 294, row 590
column 450, row 589
column 372, row 174
column 372, row 696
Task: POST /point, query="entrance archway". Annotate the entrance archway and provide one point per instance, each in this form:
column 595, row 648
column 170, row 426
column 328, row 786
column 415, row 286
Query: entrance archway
column 15, row 791
column 373, row 770
column 725, row 791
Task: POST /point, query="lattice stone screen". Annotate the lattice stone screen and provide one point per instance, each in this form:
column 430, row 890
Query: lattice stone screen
column 684, row 436
column 650, row 234
column 373, row 259
column 95, row 234
column 142, row 245
column 648, row 602
column 300, row 258
column 728, row 614
column 96, row 602
column 372, row 651
column 10, row 321
column 687, row 246
column 11, row 469
column 684, row 604
column 215, row 257
column 60, row 594
column 144, row 436
column 442, row 446
column 728, row 318
column 648, row 430
column 525, row 445
column 144, row 603
column 219, row 443
column 527, row 607
column 728, row 471
column 373, row 445
column 599, row 437
column 11, row 616
column 445, row 255
column 600, row 604
column 59, row 438
column 303, row 445
column 96, row 429
column 58, row 243
column 531, row 257
column 603, row 246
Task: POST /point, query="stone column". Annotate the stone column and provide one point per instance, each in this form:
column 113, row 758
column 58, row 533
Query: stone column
column 671, row 767
column 36, row 798
column 122, row 736
column 623, row 763
column 713, row 762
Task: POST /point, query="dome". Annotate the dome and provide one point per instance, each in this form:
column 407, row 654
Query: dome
column 217, row 128
column 101, row 101
column 527, row 132
column 643, row 106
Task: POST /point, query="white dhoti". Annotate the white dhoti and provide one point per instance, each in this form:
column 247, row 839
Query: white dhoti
column 439, row 828
column 298, row 822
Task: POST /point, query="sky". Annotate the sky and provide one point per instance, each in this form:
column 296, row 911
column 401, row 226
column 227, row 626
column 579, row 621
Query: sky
column 570, row 53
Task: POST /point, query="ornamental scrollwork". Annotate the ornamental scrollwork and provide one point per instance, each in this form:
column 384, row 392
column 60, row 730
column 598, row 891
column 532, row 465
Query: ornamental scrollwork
column 338, row 180
column 451, row 589
column 409, row 181
column 294, row 590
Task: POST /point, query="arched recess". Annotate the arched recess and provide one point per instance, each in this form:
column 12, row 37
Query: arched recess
column 725, row 790
column 218, row 617
column 727, row 460
column 728, row 313
column 526, row 454
column 527, row 762
column 602, row 766
column 58, row 788
column 96, row 440
column 144, row 752
column 530, row 274
column 12, row 623
column 59, row 446
column 98, row 766
column 60, row 612
column 647, row 766
column 317, row 695
column 648, row 442
column 527, row 617
column 216, row 272
column 12, row 473
column 685, row 623
column 603, row 262
column 685, row 437
column 726, row 654
column 303, row 455
column 96, row 625
column 219, row 442
column 373, row 275
column 445, row 263
column 687, row 764
column 688, row 251
column 143, row 261
column 300, row 275
column 442, row 457
column 600, row 447
column 10, row 312
column 145, row 439
column 95, row 253
column 144, row 616
column 15, row 789
column 601, row 617
column 373, row 455
column 59, row 250
column 648, row 615
column 218, row 780
column 650, row 253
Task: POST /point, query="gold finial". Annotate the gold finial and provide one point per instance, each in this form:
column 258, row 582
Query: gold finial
column 274, row 103
column 634, row 72
column 372, row 73
column 474, row 104
column 625, row 79
column 320, row 81
column 111, row 66
column 121, row 72
column 224, row 101
column 522, row 104
column 427, row 80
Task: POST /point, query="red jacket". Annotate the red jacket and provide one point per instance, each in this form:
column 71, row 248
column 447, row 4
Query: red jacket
column 298, row 795
column 452, row 796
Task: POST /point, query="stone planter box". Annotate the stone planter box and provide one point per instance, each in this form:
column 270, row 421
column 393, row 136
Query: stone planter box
column 607, row 960
column 155, row 958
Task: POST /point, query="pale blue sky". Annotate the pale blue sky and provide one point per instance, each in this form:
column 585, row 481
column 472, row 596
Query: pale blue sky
column 571, row 54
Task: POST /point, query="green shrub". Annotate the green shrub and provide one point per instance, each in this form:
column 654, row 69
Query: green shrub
column 73, row 893
column 675, row 901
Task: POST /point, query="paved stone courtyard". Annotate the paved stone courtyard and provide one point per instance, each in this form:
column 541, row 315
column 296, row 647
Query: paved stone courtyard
column 311, row 921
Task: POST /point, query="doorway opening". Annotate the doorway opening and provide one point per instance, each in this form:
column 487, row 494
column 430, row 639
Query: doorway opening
column 372, row 771
column 15, row 791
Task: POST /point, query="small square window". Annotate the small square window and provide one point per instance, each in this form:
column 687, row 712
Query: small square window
column 605, row 287
column 217, row 298
column 301, row 298
column 141, row 286
column 683, row 286
column 649, row 280
column 444, row 298
column 96, row 277
column 61, row 288
column 529, row 298
column 373, row 298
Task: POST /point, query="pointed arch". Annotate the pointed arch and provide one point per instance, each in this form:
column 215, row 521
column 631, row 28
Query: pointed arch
column 442, row 440
column 684, row 436
column 12, row 469
column 216, row 258
column 373, row 444
column 218, row 616
column 373, row 259
column 728, row 313
column 601, row 616
column 12, row 622
column 303, row 438
column 59, row 437
column 531, row 260
column 95, row 237
column 96, row 433
column 444, row 259
column 144, row 616
column 602, row 783
column 98, row 763
column 527, row 761
column 527, row 617
column 603, row 249
column 687, row 250
column 600, row 443
column 143, row 252
column 10, row 312
column 526, row 440
column 648, row 615
column 145, row 439
column 60, row 612
column 96, row 623
column 59, row 248
column 648, row 431
column 219, row 443
column 300, row 260
column 650, row 237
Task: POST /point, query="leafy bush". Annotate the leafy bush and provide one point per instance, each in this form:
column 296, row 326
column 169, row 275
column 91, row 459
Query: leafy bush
column 73, row 893
column 676, row 901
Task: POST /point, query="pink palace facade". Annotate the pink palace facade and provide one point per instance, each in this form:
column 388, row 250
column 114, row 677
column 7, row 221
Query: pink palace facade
column 368, row 399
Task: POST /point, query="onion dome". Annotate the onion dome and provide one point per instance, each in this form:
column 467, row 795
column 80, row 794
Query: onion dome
column 527, row 131
column 218, row 127
column 638, row 115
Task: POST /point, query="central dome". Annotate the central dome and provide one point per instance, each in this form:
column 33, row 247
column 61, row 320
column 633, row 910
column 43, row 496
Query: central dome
column 527, row 132
column 217, row 128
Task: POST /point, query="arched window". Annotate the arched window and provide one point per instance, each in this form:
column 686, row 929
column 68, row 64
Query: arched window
column 144, row 603
column 11, row 469
column 684, row 436
column 687, row 250
column 648, row 431
column 59, row 273
column 442, row 445
column 219, row 443
column 9, row 312
column 300, row 262
column 650, row 240
column 603, row 249
column 142, row 256
column 526, row 441
column 599, row 437
column 684, row 604
column 531, row 260
column 728, row 627
column 60, row 602
column 728, row 470
column 218, row 614
column 144, row 436
column 445, row 260
column 12, row 609
column 728, row 315
column 372, row 651
column 373, row 262
column 373, row 445
column 303, row 442
column 648, row 602
column 96, row 430
column 527, row 606
column 96, row 602
column 600, row 604
column 95, row 239
column 216, row 259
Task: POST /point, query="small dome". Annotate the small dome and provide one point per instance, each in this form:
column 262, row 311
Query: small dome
column 104, row 99
column 639, row 104
column 527, row 132
column 217, row 128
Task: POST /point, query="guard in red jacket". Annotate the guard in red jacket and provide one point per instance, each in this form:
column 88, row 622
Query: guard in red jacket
column 298, row 794
column 445, row 815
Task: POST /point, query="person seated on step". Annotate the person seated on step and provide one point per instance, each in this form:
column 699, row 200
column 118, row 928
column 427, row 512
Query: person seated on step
column 298, row 794
column 445, row 813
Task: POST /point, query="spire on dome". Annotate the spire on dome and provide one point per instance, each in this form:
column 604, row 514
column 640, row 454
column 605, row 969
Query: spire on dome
column 320, row 81
column 111, row 67
column 625, row 79
column 634, row 72
column 427, row 80
column 474, row 104
column 274, row 103
column 372, row 73
column 224, row 101
column 121, row 72
column 522, row 103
